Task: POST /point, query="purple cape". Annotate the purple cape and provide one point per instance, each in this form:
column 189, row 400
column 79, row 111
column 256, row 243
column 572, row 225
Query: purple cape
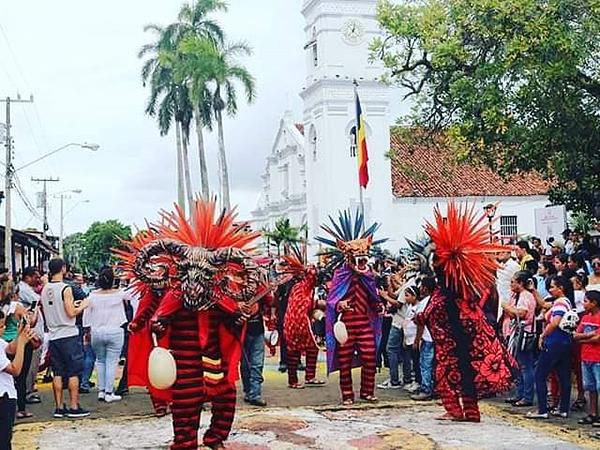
column 342, row 279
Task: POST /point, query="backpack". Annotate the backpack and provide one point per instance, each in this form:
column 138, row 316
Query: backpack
column 569, row 321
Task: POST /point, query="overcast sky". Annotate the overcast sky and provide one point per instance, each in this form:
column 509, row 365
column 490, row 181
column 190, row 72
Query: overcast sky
column 78, row 59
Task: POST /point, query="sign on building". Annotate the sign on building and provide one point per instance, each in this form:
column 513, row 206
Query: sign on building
column 550, row 222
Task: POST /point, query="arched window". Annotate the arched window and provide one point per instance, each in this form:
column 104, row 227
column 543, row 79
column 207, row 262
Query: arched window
column 312, row 142
column 315, row 50
column 352, row 138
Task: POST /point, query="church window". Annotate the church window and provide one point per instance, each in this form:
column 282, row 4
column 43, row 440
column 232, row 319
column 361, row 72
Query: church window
column 285, row 182
column 312, row 47
column 353, row 142
column 312, row 142
column 508, row 227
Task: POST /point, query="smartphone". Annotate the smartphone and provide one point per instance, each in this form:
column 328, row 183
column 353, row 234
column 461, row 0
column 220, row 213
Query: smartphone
column 33, row 305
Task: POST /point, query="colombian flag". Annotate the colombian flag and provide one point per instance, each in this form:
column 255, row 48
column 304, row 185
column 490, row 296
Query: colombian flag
column 361, row 146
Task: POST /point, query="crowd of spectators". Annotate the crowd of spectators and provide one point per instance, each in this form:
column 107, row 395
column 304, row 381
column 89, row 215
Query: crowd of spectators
column 57, row 323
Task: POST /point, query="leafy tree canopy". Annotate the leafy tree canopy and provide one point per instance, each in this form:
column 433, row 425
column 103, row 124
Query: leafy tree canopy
column 514, row 84
column 92, row 250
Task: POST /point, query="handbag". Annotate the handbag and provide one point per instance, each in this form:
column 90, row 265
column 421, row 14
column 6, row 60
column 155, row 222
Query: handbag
column 522, row 340
column 526, row 340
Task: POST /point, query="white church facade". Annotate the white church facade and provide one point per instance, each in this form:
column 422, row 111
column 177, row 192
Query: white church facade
column 311, row 172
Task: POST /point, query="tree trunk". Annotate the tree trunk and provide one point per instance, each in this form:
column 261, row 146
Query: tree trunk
column 186, row 171
column 180, row 189
column 202, row 156
column 223, row 171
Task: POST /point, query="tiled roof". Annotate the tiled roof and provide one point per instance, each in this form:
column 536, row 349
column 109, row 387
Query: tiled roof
column 300, row 127
column 428, row 170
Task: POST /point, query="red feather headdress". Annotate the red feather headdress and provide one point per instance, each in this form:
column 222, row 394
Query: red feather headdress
column 206, row 229
column 127, row 254
column 463, row 250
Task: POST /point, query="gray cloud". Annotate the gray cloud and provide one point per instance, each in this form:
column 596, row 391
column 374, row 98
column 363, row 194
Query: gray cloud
column 79, row 60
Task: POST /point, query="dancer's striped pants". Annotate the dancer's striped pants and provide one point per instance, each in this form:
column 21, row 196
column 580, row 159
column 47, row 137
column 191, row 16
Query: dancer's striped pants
column 360, row 339
column 293, row 360
column 190, row 391
column 460, row 406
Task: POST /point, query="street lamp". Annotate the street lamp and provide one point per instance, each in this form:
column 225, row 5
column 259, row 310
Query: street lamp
column 8, row 181
column 85, row 145
column 490, row 212
column 62, row 197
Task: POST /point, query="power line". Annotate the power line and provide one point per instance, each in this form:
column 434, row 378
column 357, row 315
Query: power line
column 14, row 57
column 25, row 199
column 26, row 83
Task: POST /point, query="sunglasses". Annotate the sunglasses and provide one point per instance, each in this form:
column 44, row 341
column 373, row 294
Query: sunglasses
column 596, row 264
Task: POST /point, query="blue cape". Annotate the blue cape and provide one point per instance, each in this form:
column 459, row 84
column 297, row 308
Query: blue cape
column 342, row 279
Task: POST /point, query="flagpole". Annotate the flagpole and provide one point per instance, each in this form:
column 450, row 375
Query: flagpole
column 360, row 189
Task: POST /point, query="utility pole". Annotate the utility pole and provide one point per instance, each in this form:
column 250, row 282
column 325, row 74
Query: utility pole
column 8, row 184
column 45, row 201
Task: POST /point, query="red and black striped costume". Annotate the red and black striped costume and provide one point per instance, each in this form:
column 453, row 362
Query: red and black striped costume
column 204, row 263
column 363, row 325
column 360, row 339
column 297, row 329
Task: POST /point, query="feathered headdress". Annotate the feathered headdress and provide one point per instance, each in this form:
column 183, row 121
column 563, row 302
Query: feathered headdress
column 347, row 230
column 127, row 254
column 205, row 228
column 463, row 251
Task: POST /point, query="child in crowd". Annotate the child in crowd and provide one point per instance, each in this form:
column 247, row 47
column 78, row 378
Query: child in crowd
column 424, row 344
column 588, row 335
column 411, row 298
column 8, row 370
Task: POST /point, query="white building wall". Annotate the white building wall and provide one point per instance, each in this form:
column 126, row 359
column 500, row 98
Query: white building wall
column 323, row 177
column 409, row 214
column 276, row 201
column 330, row 113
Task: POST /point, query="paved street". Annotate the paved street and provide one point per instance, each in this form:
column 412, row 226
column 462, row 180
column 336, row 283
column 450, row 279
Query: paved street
column 401, row 426
column 309, row 418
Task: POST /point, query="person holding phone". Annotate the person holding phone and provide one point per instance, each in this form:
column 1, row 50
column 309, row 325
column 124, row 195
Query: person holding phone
column 30, row 300
column 8, row 370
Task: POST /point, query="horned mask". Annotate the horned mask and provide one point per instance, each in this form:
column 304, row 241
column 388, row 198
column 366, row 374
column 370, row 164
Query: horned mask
column 200, row 271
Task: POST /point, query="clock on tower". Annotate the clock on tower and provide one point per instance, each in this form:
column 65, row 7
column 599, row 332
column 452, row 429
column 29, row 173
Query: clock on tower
column 338, row 33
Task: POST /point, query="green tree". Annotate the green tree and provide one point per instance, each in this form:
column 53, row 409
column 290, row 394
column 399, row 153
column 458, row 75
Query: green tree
column 195, row 24
column 229, row 72
column 98, row 241
column 283, row 234
column 73, row 248
column 169, row 100
column 514, row 84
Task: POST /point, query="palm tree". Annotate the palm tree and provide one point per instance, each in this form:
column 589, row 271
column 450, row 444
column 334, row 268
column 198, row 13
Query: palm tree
column 168, row 100
column 227, row 74
column 283, row 234
column 193, row 21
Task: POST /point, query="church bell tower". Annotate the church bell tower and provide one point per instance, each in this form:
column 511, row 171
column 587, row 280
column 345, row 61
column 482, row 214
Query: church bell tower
column 338, row 34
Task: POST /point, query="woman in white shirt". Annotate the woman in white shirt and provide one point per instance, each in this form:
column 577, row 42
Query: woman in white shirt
column 105, row 316
column 8, row 370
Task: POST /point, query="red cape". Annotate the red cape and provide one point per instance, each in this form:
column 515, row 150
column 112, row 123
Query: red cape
column 140, row 343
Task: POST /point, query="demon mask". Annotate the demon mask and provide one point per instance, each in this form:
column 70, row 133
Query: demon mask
column 199, row 270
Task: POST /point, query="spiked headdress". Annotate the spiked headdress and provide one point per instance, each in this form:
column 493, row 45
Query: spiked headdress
column 463, row 251
column 205, row 228
column 348, row 238
column 193, row 254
